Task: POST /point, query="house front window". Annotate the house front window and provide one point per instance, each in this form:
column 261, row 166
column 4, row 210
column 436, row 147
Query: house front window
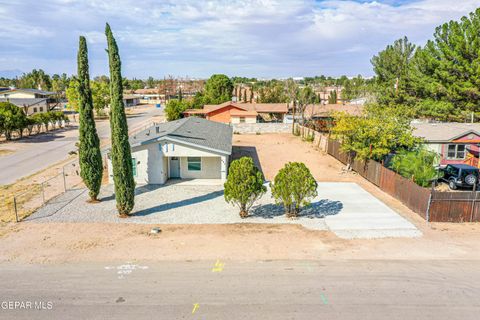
column 134, row 166
column 194, row 163
column 456, row 151
column 242, row 119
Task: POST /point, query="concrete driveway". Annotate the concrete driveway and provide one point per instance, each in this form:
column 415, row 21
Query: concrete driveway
column 344, row 208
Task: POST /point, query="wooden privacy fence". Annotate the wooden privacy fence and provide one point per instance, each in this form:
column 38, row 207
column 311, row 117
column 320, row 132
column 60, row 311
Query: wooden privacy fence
column 432, row 205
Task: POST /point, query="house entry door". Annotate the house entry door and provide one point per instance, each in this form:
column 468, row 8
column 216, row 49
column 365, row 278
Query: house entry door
column 174, row 167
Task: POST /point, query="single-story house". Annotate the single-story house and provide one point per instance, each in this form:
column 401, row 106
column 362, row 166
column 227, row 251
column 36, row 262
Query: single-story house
column 131, row 100
column 189, row 148
column 30, row 100
column 26, row 94
column 456, row 143
column 233, row 112
column 320, row 116
column 30, row 106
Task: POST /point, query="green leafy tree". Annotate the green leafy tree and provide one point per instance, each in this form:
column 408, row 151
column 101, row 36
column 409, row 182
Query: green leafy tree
column 90, row 158
column 244, row 185
column 218, row 89
column 305, row 97
column 12, row 119
column 381, row 131
column 332, row 97
column 120, row 152
column 294, row 187
column 417, row 164
column 446, row 69
column 100, row 95
column 72, row 94
column 175, row 108
column 392, row 68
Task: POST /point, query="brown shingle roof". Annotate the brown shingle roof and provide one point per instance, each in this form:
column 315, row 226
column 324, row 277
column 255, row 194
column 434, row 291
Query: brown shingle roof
column 258, row 107
column 443, row 132
column 320, row 110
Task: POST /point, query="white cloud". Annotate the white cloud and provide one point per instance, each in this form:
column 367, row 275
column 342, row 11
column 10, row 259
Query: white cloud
column 245, row 37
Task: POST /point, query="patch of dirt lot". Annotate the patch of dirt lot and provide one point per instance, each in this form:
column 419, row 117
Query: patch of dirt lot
column 72, row 242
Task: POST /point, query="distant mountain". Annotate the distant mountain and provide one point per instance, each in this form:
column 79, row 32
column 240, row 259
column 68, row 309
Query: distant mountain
column 10, row 73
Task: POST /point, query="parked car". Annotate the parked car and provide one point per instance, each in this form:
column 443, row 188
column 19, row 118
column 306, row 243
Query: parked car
column 460, row 175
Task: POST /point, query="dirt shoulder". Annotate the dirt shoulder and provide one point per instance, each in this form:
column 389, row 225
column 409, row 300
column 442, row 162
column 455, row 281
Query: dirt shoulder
column 79, row 242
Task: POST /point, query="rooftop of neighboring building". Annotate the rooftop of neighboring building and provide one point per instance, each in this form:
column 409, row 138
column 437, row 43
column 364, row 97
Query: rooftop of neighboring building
column 444, row 131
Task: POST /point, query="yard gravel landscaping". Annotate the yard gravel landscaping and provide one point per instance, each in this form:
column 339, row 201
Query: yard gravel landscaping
column 340, row 206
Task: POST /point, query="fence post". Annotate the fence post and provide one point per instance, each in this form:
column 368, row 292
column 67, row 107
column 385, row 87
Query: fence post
column 64, row 180
column 427, row 214
column 15, row 207
column 43, row 193
column 474, row 198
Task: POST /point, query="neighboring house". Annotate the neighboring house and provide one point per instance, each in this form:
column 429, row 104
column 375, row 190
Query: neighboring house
column 456, row 143
column 30, row 100
column 233, row 112
column 30, row 106
column 189, row 148
column 26, row 94
column 148, row 96
column 131, row 100
column 324, row 93
column 320, row 116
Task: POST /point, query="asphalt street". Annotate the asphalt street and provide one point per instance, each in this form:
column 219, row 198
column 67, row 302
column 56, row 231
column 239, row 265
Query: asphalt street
column 243, row 290
column 42, row 151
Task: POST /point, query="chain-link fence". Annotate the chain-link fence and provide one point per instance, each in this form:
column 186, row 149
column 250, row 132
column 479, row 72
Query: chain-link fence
column 20, row 205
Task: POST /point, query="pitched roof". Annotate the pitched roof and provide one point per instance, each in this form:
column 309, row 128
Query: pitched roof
column 200, row 132
column 243, row 113
column 20, row 102
column 443, row 132
column 258, row 107
column 35, row 91
column 326, row 110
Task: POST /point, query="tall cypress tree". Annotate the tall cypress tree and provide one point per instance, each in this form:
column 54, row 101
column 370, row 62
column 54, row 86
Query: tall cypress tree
column 120, row 154
column 91, row 168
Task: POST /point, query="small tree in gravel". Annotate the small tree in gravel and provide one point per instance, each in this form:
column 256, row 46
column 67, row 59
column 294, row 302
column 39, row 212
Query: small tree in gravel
column 244, row 185
column 294, row 187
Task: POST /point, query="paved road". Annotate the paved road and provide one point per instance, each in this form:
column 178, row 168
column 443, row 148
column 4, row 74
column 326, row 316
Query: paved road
column 254, row 290
column 42, row 151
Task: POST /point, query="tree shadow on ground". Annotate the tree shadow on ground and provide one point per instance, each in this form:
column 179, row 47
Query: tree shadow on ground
column 178, row 204
column 246, row 151
column 319, row 209
column 138, row 191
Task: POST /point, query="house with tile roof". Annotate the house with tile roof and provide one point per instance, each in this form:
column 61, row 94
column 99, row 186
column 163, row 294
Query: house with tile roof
column 456, row 143
column 190, row 148
column 233, row 112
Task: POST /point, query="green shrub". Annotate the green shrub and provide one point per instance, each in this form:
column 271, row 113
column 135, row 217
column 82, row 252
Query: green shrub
column 293, row 187
column 244, row 184
column 417, row 165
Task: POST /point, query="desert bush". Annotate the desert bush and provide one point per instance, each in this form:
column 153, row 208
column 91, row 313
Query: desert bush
column 294, row 187
column 244, row 184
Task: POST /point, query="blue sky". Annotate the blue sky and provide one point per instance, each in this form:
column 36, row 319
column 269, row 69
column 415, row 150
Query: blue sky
column 261, row 38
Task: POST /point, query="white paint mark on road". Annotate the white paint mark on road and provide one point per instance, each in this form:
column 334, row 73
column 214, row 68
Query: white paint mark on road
column 126, row 269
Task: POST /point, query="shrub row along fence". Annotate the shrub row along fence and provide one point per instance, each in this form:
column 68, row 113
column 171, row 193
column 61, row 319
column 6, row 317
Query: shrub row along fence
column 432, row 205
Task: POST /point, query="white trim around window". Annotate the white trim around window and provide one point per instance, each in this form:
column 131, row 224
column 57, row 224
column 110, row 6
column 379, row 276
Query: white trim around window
column 194, row 164
column 456, row 151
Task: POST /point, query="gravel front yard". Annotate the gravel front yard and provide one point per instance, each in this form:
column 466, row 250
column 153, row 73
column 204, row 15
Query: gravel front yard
column 177, row 204
column 342, row 207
